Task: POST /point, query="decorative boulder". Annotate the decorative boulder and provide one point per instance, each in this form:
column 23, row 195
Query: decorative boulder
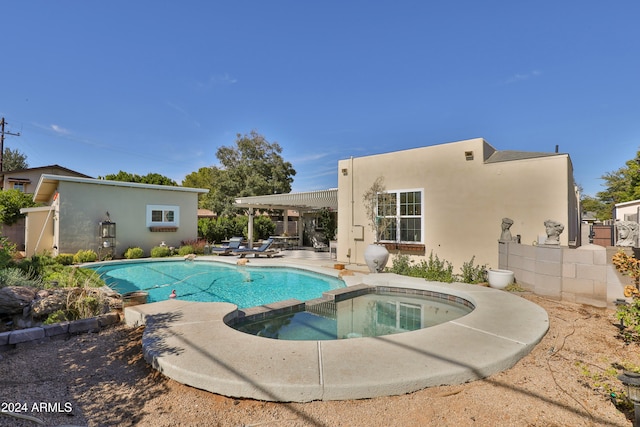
column 13, row 299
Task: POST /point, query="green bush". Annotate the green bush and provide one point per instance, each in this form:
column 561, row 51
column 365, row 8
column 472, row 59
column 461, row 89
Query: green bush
column 83, row 256
column 7, row 251
column 222, row 228
column 160, row 252
column 64, row 259
column 401, row 265
column 472, row 273
column 263, row 227
column 81, row 303
column 197, row 245
column 17, row 277
column 35, row 265
column 66, row 276
column 432, row 269
column 56, row 317
column 629, row 316
column 186, row 250
column 134, row 253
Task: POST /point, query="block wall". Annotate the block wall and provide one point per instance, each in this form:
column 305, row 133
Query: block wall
column 583, row 275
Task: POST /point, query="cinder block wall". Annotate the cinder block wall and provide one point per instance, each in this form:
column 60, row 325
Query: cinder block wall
column 583, row 275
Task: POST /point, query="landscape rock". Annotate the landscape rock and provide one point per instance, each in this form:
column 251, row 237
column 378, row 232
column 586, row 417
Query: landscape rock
column 54, row 301
column 13, row 299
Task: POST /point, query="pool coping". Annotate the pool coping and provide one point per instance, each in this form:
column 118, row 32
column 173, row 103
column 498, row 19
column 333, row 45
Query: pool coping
column 191, row 343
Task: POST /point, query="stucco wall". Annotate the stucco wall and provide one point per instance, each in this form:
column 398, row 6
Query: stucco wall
column 83, row 206
column 464, row 200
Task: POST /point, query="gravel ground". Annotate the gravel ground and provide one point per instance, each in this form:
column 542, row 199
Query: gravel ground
column 101, row 379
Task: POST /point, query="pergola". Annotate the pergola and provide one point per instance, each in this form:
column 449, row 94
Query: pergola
column 302, row 202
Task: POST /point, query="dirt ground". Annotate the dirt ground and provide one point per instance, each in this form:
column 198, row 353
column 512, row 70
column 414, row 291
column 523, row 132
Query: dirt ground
column 101, row 380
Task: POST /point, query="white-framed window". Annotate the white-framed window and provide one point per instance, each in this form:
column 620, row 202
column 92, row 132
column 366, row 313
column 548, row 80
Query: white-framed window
column 405, row 208
column 20, row 186
column 163, row 216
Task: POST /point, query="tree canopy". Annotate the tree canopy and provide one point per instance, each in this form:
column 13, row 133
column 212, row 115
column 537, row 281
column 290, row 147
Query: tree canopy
column 11, row 201
column 13, row 160
column 150, row 178
column 252, row 167
column 622, row 185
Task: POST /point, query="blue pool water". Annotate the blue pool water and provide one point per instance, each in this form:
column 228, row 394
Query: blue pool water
column 370, row 315
column 216, row 282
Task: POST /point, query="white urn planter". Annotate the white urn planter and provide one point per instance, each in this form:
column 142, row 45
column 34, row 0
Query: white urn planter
column 500, row 279
column 376, row 257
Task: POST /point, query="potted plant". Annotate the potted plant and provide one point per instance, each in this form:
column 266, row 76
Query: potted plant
column 377, row 204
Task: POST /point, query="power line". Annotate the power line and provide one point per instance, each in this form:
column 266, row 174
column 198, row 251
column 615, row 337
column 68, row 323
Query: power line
column 2, row 134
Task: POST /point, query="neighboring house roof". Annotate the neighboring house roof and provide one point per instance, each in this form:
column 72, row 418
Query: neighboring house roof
column 509, row 155
column 49, row 183
column 630, row 203
column 60, row 168
column 304, row 200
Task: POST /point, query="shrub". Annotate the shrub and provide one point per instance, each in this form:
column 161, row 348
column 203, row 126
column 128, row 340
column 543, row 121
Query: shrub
column 472, row 273
column 401, row 265
column 17, row 277
column 432, row 269
column 134, row 253
column 197, row 245
column 7, row 251
column 35, row 265
column 64, row 259
column 437, row 270
column 83, row 256
column 629, row 316
column 185, row 250
column 81, row 303
column 160, row 252
column 223, row 228
column 263, row 227
column 66, row 276
column 56, row 317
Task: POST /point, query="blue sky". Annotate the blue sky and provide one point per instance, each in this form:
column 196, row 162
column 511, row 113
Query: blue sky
column 158, row 86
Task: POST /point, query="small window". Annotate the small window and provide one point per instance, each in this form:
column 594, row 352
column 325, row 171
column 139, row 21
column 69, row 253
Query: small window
column 19, row 186
column 163, row 216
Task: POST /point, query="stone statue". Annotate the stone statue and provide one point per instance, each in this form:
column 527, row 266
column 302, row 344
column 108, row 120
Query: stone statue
column 506, row 233
column 554, row 229
column 627, row 233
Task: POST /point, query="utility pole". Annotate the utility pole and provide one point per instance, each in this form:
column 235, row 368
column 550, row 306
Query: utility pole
column 2, row 134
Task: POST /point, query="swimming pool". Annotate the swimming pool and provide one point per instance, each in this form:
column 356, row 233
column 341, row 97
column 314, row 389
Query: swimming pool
column 208, row 281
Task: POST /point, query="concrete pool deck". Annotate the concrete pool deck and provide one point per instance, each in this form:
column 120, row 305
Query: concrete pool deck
column 190, row 343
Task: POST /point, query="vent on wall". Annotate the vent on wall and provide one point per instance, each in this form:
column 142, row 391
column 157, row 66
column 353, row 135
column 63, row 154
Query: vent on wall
column 468, row 155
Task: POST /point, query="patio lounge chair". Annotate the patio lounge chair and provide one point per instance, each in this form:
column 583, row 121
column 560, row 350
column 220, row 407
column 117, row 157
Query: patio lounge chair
column 265, row 249
column 234, row 244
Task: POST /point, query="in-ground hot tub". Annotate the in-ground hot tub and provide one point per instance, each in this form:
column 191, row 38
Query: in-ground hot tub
column 356, row 312
column 192, row 343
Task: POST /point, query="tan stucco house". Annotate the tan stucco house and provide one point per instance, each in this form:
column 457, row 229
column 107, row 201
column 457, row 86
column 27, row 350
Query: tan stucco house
column 451, row 198
column 145, row 215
